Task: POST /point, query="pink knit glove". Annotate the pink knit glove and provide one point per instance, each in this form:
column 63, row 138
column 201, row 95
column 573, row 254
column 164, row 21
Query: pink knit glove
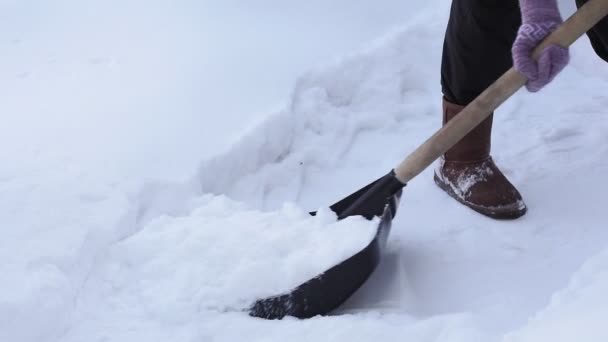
column 539, row 19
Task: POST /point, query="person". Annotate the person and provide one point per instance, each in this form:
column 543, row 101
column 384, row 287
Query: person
column 484, row 38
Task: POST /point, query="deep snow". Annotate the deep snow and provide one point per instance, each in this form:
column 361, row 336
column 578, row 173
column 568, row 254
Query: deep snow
column 78, row 264
column 146, row 89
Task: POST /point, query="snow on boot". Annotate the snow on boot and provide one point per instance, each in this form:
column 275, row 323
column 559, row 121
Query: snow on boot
column 468, row 173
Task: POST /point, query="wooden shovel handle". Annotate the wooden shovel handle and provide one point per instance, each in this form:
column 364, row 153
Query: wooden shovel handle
column 509, row 83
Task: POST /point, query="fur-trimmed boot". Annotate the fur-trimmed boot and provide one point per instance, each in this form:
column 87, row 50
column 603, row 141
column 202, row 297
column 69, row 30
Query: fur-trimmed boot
column 468, row 173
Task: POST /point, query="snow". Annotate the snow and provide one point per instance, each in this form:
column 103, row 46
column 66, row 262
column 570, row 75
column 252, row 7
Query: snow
column 221, row 258
column 272, row 252
column 575, row 312
column 466, row 181
column 94, row 249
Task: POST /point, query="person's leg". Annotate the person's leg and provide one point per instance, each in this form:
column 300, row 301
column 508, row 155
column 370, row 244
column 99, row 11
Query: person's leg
column 598, row 35
column 477, row 50
column 477, row 46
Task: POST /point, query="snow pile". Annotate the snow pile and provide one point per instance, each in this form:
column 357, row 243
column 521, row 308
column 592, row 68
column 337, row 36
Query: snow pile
column 227, row 256
column 333, row 122
column 577, row 313
column 222, row 257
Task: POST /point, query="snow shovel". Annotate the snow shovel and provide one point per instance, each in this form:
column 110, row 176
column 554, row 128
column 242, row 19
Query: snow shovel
column 380, row 199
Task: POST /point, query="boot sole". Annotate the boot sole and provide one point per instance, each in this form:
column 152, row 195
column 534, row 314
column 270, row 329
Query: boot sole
column 503, row 213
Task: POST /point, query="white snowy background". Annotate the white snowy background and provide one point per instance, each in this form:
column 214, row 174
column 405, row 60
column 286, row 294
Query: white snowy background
column 122, row 119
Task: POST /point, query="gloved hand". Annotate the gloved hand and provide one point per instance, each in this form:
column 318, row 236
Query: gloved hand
column 539, row 19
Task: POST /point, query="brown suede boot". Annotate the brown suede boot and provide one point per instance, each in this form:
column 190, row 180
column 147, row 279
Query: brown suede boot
column 468, row 173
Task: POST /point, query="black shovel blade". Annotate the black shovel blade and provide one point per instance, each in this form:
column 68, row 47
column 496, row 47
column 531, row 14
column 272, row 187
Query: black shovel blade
column 326, row 292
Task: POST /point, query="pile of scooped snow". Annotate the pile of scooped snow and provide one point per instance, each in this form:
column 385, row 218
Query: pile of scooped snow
column 223, row 256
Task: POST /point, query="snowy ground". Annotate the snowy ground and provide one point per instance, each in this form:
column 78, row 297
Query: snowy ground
column 89, row 115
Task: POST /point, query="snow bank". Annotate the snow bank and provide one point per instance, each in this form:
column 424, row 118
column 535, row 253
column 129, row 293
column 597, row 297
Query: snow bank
column 335, row 110
column 576, row 313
